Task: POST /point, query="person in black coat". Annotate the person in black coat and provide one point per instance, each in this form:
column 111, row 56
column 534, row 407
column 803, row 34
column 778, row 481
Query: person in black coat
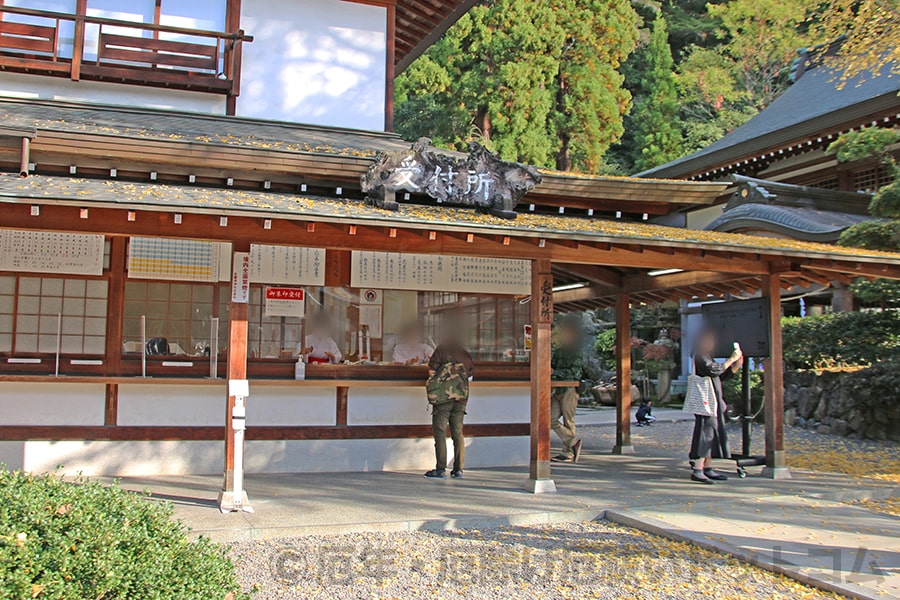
column 709, row 439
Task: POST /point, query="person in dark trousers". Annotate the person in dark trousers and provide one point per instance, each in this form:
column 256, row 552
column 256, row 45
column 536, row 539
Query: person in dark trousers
column 709, row 439
column 644, row 415
column 567, row 364
column 451, row 412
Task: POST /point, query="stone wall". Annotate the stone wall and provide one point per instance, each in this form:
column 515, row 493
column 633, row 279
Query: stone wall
column 862, row 403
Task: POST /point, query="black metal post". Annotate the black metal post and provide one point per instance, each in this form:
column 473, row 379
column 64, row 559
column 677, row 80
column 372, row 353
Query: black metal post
column 748, row 408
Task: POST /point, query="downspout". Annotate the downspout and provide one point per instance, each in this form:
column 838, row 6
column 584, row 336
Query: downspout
column 26, row 157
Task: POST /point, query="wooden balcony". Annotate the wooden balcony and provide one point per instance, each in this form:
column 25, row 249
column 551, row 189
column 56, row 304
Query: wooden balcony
column 81, row 47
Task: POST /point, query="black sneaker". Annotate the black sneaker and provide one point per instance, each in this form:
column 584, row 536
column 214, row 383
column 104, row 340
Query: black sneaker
column 456, row 474
column 562, row 458
column 435, row 474
column 714, row 475
column 699, row 477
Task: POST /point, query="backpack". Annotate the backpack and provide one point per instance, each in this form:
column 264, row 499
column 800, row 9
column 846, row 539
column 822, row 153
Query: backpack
column 450, row 383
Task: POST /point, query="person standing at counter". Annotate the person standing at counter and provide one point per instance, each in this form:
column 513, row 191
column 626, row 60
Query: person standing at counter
column 411, row 348
column 319, row 346
column 451, row 409
column 567, row 364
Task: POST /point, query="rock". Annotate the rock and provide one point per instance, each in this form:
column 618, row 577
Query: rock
column 790, row 417
column 823, row 429
column 840, row 427
column 821, row 410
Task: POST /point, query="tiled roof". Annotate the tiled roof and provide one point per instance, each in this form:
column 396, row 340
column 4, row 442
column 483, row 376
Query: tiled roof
column 76, row 191
column 811, row 105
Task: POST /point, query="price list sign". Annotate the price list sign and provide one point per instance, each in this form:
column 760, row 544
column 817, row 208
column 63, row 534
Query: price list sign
column 393, row 270
column 287, row 265
column 51, row 252
column 180, row 260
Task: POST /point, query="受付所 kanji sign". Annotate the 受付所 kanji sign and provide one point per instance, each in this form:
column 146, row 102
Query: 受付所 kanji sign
column 480, row 180
column 285, row 302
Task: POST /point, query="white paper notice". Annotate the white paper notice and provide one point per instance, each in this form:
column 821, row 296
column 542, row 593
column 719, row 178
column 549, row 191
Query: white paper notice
column 51, row 252
column 427, row 272
column 287, row 265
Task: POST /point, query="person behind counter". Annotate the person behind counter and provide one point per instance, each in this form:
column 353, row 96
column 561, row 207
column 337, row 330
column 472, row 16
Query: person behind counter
column 411, row 348
column 319, row 346
column 449, row 350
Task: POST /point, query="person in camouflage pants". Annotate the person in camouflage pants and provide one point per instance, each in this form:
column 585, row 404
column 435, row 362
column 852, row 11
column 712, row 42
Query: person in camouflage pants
column 567, row 363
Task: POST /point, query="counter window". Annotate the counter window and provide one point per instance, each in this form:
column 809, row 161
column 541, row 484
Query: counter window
column 45, row 303
column 181, row 313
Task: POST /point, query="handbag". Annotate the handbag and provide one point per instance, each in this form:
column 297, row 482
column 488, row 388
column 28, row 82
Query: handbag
column 450, row 383
column 700, row 398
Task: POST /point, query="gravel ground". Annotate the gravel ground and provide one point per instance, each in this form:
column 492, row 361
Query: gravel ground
column 575, row 560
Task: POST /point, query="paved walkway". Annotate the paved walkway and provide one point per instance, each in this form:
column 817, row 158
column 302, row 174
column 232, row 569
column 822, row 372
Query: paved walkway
column 801, row 527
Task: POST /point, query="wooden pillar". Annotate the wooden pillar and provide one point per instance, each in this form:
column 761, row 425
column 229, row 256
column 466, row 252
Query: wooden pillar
column 115, row 305
column 389, row 71
column 237, row 347
column 623, row 375
column 776, row 467
column 342, row 396
column 233, row 55
column 541, row 323
column 78, row 42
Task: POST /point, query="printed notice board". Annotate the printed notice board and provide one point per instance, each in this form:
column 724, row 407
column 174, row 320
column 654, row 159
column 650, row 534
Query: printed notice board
column 181, row 260
column 285, row 302
column 287, row 265
column 51, row 252
column 427, row 272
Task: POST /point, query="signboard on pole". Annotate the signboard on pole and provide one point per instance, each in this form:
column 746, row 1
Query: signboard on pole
column 240, row 278
column 743, row 321
column 285, row 302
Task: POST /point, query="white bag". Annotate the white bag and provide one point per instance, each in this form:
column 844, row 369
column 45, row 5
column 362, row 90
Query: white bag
column 700, row 398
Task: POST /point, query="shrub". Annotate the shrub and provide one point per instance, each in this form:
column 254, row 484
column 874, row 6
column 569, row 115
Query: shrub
column 731, row 390
column 74, row 540
column 858, row 338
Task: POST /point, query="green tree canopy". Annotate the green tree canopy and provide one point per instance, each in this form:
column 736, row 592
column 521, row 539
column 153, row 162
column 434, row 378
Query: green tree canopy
column 536, row 81
column 658, row 136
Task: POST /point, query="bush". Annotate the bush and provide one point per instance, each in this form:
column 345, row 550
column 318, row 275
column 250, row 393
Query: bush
column 731, row 390
column 857, row 338
column 75, row 540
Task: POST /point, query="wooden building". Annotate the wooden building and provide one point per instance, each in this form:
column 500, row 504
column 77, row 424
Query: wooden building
column 153, row 251
column 136, row 224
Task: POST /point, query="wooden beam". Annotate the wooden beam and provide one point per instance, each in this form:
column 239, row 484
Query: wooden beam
column 646, row 283
column 342, row 396
column 776, row 466
column 237, row 356
column 19, row 433
column 542, row 320
column 592, row 273
column 580, row 294
column 857, row 269
column 115, row 304
column 111, row 407
column 390, row 68
column 78, row 40
column 623, row 375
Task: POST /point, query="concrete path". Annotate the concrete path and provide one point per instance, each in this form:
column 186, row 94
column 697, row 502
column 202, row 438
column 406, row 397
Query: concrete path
column 801, row 527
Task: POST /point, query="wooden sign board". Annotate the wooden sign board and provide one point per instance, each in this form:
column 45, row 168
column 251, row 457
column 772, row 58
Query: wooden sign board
column 51, row 252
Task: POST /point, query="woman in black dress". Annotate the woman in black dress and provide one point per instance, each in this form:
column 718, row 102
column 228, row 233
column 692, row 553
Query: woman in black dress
column 709, row 440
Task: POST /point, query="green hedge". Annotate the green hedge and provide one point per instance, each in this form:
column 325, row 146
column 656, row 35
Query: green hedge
column 855, row 338
column 65, row 540
column 731, row 390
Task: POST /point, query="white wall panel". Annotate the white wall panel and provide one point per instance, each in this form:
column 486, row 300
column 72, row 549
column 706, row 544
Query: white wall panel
column 291, row 405
column 162, row 404
column 52, row 404
column 317, row 61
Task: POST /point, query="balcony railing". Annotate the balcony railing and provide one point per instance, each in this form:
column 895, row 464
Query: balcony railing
column 99, row 49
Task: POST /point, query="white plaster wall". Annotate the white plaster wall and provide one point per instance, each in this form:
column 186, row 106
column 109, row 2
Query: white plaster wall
column 133, row 459
column 408, row 405
column 317, row 61
column 57, row 88
column 291, row 405
column 388, row 406
column 138, row 459
column 52, row 404
column 162, row 404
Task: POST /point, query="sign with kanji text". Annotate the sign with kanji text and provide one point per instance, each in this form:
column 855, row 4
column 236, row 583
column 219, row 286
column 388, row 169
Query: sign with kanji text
column 285, row 302
column 240, row 278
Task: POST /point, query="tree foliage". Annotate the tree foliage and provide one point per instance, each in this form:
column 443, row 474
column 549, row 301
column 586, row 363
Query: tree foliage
column 535, row 81
column 874, row 142
column 872, row 30
column 658, row 135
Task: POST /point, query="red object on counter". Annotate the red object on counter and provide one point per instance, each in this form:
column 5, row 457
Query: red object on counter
column 317, row 361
